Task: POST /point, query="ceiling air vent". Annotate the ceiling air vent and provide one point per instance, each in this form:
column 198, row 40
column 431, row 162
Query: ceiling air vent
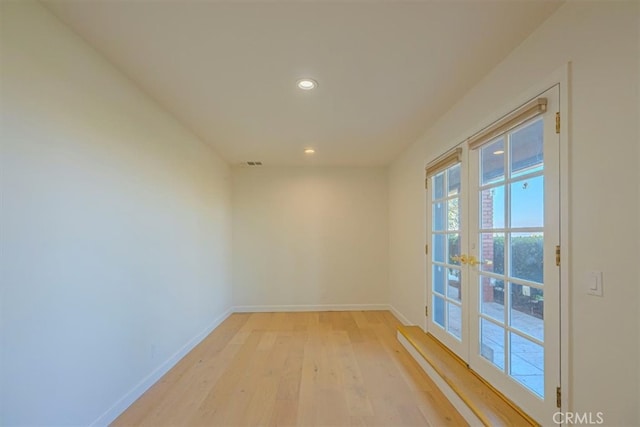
column 254, row 163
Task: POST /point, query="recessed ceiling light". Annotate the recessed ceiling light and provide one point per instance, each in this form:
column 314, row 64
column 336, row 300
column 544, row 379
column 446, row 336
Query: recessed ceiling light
column 307, row 84
column 498, row 152
column 309, row 151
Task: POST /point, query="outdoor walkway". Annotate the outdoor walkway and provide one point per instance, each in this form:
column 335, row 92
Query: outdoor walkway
column 527, row 358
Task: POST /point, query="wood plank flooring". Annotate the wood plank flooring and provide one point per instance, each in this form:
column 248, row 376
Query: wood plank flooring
column 296, row 369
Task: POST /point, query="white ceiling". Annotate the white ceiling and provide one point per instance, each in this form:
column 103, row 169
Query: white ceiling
column 227, row 70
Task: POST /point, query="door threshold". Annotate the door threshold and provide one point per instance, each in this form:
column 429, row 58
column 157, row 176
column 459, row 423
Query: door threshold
column 476, row 400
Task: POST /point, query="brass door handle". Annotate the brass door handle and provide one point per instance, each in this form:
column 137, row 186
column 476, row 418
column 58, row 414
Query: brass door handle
column 469, row 259
column 462, row 259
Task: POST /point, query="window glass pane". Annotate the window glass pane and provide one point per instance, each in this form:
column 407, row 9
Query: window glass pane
column 438, row 310
column 527, row 202
column 492, row 298
column 527, row 255
column 439, row 247
column 454, row 324
column 438, row 279
column 439, row 216
column 453, row 179
column 492, row 162
column 438, row 186
column 492, row 208
column 453, row 214
column 527, row 363
column 453, row 241
column 453, row 284
column 526, row 311
column 527, row 149
column 492, row 342
column 492, row 252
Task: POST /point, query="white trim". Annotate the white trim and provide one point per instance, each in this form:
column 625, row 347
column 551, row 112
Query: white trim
column 563, row 76
column 449, row 393
column 125, row 401
column 401, row 317
column 322, row 307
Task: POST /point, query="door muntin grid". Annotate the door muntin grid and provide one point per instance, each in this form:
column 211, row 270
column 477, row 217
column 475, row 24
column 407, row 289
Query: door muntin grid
column 511, row 252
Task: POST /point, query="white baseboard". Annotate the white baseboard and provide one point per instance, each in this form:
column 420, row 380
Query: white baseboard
column 121, row 405
column 449, row 393
column 401, row 317
column 322, row 307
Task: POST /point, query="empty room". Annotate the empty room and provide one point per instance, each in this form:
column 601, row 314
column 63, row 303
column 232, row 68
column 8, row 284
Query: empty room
column 319, row 213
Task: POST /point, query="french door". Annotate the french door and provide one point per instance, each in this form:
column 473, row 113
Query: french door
column 493, row 226
column 448, row 299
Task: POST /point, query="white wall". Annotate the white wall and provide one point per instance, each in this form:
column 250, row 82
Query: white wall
column 601, row 39
column 115, row 222
column 310, row 236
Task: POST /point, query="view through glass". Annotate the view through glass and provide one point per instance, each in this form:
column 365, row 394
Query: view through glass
column 511, row 237
column 446, row 274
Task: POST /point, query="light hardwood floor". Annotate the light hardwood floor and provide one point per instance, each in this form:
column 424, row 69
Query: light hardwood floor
column 296, row 369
